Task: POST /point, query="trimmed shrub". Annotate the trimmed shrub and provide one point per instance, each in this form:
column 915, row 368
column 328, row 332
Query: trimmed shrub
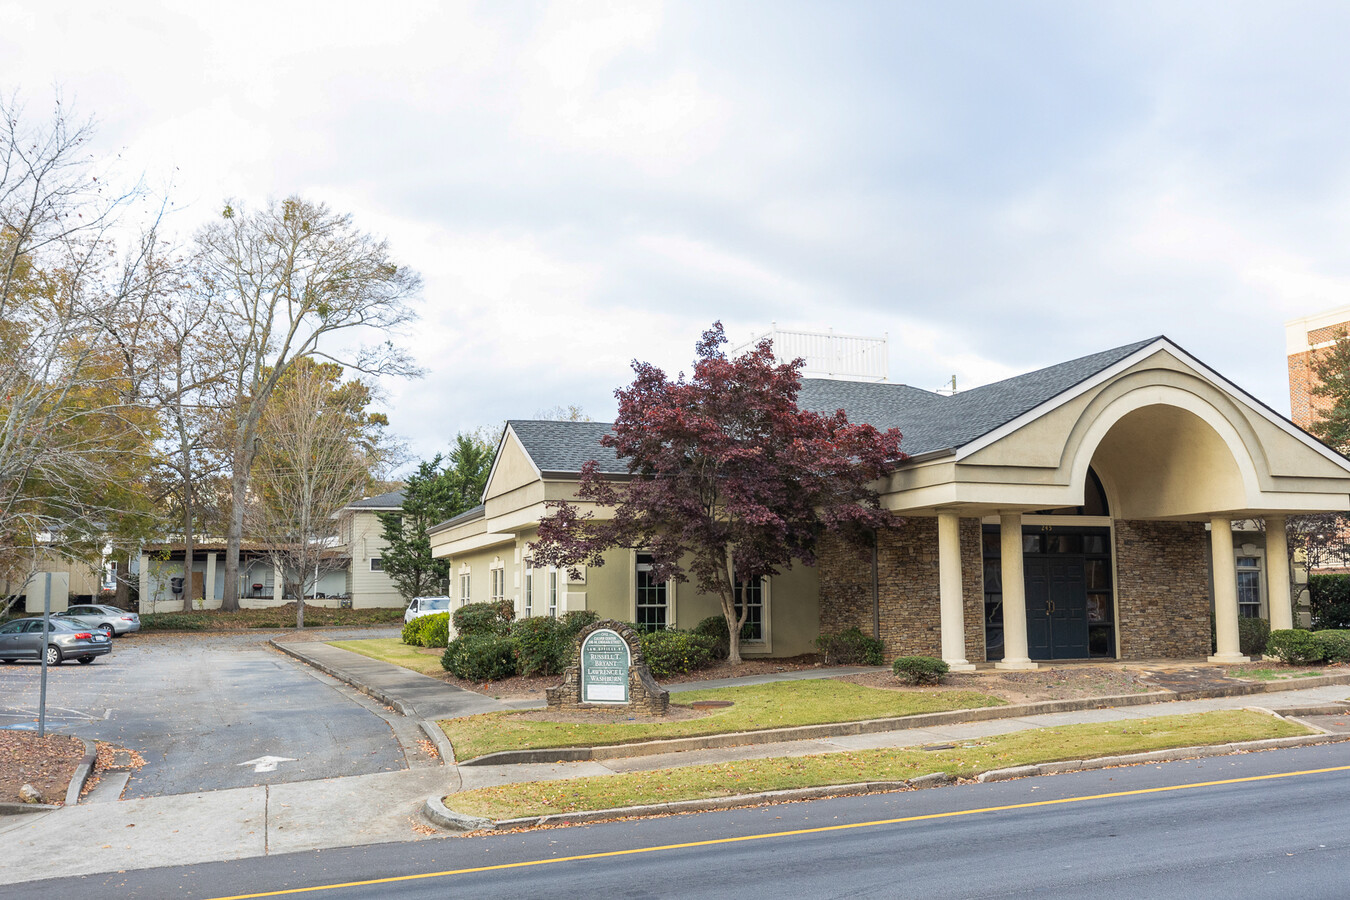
column 1295, row 646
column 919, row 670
column 411, row 630
column 1253, row 634
column 850, row 648
column 1335, row 644
column 715, row 627
column 676, row 652
column 539, row 646
column 436, row 631
column 480, row 657
column 484, row 618
column 1329, row 599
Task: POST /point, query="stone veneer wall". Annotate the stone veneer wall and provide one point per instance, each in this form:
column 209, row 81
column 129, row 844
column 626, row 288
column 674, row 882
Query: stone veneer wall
column 1162, row 590
column 907, row 588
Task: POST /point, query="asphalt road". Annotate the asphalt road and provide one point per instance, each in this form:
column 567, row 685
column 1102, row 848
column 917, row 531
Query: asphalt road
column 1157, row 831
column 198, row 707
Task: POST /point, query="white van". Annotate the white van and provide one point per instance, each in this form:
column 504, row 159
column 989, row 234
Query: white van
column 426, row 606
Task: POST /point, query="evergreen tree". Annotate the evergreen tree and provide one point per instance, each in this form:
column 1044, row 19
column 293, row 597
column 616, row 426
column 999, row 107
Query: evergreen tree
column 441, row 489
column 1332, row 368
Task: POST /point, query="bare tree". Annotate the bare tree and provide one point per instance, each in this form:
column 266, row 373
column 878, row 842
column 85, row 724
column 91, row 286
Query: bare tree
column 74, row 436
column 323, row 451
column 295, row 280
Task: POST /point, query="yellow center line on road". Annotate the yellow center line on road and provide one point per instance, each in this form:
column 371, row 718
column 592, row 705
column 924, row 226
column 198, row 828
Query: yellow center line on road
column 779, row 834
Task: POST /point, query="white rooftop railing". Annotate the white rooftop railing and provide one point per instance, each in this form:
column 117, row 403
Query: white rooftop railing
column 829, row 355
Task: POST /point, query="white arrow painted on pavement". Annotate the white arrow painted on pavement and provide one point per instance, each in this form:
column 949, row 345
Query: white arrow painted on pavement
column 266, row 763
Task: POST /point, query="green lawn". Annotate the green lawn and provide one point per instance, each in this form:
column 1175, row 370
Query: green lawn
column 392, row 650
column 754, row 776
column 756, row 707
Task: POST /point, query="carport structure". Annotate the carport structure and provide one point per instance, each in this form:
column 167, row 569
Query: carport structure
column 1082, row 510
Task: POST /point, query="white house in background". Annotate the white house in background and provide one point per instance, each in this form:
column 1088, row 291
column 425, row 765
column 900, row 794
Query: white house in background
column 355, row 578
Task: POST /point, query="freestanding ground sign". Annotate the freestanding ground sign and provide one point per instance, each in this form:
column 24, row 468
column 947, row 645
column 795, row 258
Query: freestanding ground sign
column 609, row 673
column 604, row 667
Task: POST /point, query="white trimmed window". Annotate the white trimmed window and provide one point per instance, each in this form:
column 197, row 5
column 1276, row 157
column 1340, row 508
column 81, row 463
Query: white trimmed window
column 1249, row 586
column 497, row 574
column 463, row 588
column 751, row 594
column 376, row 564
column 528, row 609
column 553, row 593
column 651, row 603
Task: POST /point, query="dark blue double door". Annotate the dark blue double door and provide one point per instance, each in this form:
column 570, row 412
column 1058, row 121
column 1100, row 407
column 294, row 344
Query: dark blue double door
column 1057, row 607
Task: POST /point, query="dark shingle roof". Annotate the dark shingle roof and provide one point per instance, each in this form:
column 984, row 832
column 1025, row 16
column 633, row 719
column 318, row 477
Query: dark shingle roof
column 391, row 500
column 566, row 446
column 932, row 422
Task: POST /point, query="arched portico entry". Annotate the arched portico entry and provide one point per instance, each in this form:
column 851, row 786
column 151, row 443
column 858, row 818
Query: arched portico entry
column 1093, row 520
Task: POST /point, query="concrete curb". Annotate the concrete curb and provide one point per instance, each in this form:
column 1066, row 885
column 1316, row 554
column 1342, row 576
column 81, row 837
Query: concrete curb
column 439, row 814
column 460, row 822
column 1178, row 753
column 82, row 773
column 439, row 740
column 813, row 732
column 389, row 700
column 19, row 809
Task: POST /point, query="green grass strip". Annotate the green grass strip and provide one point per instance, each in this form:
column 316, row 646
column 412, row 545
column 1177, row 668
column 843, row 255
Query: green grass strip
column 392, row 650
column 755, row 708
column 1042, row 745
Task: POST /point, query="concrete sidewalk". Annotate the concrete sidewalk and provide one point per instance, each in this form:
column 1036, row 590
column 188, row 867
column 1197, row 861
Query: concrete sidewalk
column 413, row 694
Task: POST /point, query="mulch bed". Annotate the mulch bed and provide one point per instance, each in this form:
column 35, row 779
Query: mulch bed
column 47, row 763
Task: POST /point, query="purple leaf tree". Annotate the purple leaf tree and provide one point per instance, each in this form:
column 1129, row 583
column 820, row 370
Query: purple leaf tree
column 728, row 481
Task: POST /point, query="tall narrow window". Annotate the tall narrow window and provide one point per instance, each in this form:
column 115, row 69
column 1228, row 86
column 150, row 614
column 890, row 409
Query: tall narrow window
column 1249, row 587
column 463, row 588
column 498, row 584
column 750, row 594
column 651, row 596
column 529, row 590
column 553, row 593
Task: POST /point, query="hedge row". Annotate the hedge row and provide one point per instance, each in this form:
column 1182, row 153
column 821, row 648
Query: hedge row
column 1305, row 648
column 490, row 646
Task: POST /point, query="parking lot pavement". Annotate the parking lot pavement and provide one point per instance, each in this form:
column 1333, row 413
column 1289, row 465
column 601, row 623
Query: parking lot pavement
column 208, row 712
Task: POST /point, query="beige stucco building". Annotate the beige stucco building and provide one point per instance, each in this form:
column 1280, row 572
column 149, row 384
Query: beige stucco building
column 1082, row 510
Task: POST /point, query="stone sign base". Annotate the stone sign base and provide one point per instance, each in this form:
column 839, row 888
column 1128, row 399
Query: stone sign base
column 645, row 696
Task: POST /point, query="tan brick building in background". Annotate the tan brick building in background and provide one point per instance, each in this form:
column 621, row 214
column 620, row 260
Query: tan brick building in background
column 1304, row 339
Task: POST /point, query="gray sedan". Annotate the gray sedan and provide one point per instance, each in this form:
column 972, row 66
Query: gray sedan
column 22, row 639
column 108, row 619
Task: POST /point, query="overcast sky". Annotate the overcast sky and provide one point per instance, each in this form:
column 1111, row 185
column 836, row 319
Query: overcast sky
column 996, row 186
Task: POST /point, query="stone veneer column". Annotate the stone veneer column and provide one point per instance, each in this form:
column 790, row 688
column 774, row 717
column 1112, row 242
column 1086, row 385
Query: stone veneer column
column 1225, row 592
column 1277, row 574
column 1014, row 595
column 950, row 593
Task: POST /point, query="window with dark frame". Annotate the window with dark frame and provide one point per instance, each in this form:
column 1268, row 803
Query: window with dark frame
column 1249, row 587
column 750, row 595
column 651, row 607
